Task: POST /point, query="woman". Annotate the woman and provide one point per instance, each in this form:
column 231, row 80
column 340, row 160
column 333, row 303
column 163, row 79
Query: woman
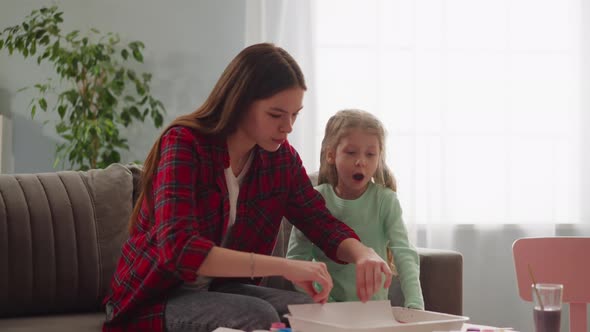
column 215, row 187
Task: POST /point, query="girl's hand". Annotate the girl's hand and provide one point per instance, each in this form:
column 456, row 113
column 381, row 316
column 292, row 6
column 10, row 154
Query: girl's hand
column 369, row 270
column 304, row 273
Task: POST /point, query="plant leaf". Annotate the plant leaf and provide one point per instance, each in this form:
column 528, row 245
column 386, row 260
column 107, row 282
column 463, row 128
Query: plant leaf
column 61, row 110
column 131, row 75
column 158, row 120
column 43, row 104
column 44, row 40
column 58, row 18
column 137, row 55
column 61, row 128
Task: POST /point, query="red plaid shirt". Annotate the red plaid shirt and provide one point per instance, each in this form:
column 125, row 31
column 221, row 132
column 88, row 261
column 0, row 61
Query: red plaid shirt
column 190, row 216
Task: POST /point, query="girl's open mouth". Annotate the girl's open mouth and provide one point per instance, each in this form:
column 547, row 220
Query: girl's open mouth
column 358, row 176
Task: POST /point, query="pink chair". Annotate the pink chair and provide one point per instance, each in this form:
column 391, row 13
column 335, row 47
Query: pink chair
column 560, row 260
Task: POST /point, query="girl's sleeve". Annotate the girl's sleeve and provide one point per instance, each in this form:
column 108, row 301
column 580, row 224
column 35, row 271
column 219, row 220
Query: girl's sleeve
column 306, row 210
column 181, row 249
column 405, row 256
column 300, row 247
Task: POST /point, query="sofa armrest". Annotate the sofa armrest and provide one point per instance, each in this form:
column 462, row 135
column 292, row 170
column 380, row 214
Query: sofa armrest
column 441, row 276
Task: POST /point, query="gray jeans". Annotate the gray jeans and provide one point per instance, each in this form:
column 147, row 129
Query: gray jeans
column 233, row 305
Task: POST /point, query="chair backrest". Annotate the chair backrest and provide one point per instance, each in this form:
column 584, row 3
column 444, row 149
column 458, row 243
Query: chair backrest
column 562, row 260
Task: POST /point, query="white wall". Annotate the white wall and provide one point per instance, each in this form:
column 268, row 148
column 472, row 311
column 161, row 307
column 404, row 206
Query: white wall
column 6, row 159
column 188, row 44
column 6, row 156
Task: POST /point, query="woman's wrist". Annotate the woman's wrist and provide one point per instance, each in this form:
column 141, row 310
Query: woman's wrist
column 285, row 266
column 265, row 265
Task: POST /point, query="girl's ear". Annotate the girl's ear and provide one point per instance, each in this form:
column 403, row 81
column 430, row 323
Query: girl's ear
column 330, row 157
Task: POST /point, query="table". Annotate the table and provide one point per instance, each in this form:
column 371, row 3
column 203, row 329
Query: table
column 483, row 328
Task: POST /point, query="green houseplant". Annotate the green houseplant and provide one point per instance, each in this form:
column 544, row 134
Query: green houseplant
column 97, row 95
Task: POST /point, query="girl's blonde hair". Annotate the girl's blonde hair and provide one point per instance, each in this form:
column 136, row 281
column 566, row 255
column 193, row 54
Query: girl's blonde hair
column 338, row 126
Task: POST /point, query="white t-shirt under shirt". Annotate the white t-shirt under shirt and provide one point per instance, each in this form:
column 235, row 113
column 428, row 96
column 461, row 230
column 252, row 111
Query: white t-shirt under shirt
column 233, row 190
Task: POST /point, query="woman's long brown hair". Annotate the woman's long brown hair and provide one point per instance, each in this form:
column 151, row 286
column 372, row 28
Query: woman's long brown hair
column 257, row 72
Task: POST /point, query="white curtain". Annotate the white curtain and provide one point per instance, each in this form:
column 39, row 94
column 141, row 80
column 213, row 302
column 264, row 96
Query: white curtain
column 487, row 114
column 290, row 25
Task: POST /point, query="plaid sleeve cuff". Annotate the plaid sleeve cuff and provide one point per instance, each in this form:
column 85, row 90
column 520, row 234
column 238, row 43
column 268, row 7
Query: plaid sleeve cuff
column 192, row 256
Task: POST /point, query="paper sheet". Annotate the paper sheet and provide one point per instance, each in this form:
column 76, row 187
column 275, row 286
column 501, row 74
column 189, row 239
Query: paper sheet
column 350, row 314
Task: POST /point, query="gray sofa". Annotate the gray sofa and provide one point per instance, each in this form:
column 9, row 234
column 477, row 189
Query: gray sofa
column 60, row 237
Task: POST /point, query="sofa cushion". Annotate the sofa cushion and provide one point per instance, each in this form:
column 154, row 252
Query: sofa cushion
column 60, row 238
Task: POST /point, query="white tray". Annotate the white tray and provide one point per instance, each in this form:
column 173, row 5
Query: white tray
column 408, row 320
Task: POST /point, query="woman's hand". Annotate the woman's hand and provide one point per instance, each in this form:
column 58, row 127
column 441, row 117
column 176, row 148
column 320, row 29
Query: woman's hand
column 304, row 273
column 369, row 270
column 369, row 267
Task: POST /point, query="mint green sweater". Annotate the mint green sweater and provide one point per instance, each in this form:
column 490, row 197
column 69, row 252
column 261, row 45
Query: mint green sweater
column 376, row 217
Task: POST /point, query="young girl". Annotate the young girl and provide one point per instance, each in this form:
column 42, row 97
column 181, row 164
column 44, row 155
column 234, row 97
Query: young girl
column 359, row 189
column 215, row 187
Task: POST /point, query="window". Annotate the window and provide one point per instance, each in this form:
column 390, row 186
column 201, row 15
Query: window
column 480, row 99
